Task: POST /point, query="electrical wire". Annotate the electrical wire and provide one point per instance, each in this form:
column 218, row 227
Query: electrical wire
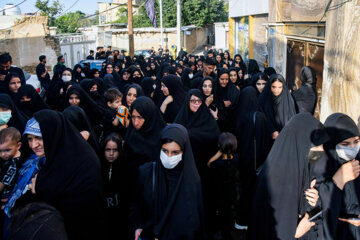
column 63, row 13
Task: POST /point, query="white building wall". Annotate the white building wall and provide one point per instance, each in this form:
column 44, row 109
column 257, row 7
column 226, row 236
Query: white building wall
column 240, row 8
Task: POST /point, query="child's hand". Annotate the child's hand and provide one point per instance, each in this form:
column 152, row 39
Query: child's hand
column 3, row 202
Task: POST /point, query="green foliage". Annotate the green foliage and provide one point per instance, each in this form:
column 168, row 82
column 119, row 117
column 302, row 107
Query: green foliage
column 194, row 12
column 70, row 22
column 49, row 10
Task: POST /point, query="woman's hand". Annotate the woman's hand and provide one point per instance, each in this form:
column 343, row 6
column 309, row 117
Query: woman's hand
column 85, row 134
column 32, row 185
column 209, row 100
column 304, row 226
column 227, row 103
column 215, row 113
column 356, row 223
column 275, row 135
column 347, row 172
column 168, row 99
column 3, row 126
column 137, row 233
column 311, row 194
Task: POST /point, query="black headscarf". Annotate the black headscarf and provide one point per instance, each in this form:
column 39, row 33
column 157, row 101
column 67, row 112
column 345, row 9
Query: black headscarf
column 136, row 80
column 305, row 97
column 279, row 197
column 14, row 96
column 176, row 90
column 78, row 118
column 18, row 119
column 122, row 84
column 141, row 145
column 230, row 92
column 202, row 127
column 147, row 85
column 97, row 96
column 278, row 110
column 185, row 78
column 35, row 104
column 70, row 180
column 139, row 93
column 93, row 111
column 336, row 203
column 238, row 80
column 76, row 75
column 180, row 215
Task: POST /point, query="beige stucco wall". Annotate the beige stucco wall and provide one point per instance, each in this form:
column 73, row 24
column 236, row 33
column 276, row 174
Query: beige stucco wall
column 145, row 39
column 27, row 26
column 341, row 84
column 112, row 15
column 260, row 39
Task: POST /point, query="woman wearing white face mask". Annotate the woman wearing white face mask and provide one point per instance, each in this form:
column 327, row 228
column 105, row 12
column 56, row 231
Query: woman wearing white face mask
column 337, row 176
column 168, row 201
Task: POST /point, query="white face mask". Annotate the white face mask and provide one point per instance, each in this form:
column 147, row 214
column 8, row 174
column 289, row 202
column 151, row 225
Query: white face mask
column 66, row 78
column 82, row 74
column 191, row 76
column 170, row 162
column 347, row 153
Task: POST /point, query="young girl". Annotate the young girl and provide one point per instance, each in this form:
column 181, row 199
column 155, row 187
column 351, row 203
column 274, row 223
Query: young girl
column 224, row 173
column 114, row 186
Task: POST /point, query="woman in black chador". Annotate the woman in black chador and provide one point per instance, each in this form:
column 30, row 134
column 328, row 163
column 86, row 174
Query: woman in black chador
column 305, row 97
column 277, row 103
column 254, row 143
column 337, row 175
column 168, row 200
column 285, row 193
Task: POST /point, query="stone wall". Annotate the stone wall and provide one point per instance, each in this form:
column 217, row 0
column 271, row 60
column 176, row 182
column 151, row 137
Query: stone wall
column 341, row 85
column 25, row 52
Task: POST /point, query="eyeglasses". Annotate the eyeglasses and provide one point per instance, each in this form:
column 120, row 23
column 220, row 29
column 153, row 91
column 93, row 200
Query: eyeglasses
column 193, row 101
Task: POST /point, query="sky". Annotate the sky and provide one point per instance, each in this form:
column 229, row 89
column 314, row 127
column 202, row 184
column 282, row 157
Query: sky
column 86, row 6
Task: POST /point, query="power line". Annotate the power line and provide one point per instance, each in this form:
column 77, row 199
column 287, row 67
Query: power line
column 69, row 7
column 15, row 5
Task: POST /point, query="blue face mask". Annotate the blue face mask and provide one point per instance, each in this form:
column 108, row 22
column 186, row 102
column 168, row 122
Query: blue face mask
column 4, row 117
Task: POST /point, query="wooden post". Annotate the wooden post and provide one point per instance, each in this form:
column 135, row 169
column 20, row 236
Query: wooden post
column 130, row 29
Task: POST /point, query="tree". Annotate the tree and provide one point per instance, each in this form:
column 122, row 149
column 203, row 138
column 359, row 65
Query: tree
column 194, row 12
column 50, row 11
column 70, row 22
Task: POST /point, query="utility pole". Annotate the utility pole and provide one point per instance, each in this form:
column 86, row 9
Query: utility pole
column 178, row 47
column 130, row 29
column 161, row 25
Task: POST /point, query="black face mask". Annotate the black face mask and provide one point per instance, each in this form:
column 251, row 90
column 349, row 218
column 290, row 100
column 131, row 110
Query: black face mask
column 313, row 156
column 94, row 93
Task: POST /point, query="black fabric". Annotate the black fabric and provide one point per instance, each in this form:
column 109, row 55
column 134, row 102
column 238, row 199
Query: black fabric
column 185, row 78
column 279, row 197
column 77, row 75
column 139, row 93
column 306, row 97
column 254, row 144
column 147, row 85
column 141, row 145
column 173, row 207
column 109, row 81
column 122, row 84
column 278, row 110
column 35, row 104
column 37, row 221
column 70, row 180
column 18, row 71
column 176, row 90
column 97, row 96
column 202, row 128
column 337, row 203
column 78, row 118
column 18, row 118
column 136, row 80
column 93, row 111
column 230, row 93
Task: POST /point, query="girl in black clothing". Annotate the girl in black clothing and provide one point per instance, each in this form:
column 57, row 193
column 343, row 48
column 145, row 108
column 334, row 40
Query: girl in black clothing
column 224, row 173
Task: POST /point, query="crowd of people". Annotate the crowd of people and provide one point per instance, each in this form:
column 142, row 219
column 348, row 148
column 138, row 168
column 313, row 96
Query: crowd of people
column 196, row 147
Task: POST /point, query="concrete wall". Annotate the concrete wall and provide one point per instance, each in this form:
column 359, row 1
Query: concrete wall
column 25, row 52
column 260, row 41
column 145, row 38
column 341, row 85
column 26, row 26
